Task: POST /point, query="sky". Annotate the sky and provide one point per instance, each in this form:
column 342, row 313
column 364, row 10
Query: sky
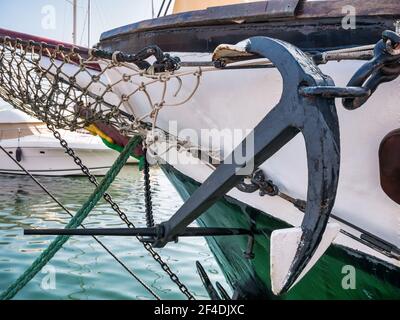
column 53, row 18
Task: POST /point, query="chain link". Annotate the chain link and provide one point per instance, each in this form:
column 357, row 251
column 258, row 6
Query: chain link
column 148, row 247
column 147, row 192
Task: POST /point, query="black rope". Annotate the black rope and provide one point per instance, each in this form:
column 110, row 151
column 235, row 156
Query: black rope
column 69, row 212
column 162, row 6
column 166, row 10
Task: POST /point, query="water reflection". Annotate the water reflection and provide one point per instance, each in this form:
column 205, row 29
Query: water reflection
column 84, row 269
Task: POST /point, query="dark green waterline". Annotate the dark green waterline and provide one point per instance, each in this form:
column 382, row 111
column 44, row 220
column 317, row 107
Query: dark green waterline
column 374, row 279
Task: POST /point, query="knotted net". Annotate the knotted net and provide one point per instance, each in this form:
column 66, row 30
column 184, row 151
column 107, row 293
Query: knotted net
column 71, row 88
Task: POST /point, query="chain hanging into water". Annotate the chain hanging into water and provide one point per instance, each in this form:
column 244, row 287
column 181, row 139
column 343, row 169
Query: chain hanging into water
column 76, row 221
column 147, row 192
column 71, row 215
column 148, row 247
column 72, row 88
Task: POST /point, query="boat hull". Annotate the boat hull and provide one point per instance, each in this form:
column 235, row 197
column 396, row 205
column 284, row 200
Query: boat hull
column 330, row 278
column 230, row 100
column 55, row 162
column 243, row 99
column 237, row 100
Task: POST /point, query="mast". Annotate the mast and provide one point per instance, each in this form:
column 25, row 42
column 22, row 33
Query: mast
column 89, row 3
column 74, row 10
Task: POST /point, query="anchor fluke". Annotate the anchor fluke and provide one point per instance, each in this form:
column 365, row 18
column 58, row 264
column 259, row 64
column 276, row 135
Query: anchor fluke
column 283, row 266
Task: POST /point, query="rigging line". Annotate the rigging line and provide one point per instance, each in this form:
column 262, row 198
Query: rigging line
column 69, row 212
column 166, row 10
column 99, row 14
column 65, row 13
column 393, row 252
column 71, row 3
column 84, row 26
column 162, row 6
column 89, row 9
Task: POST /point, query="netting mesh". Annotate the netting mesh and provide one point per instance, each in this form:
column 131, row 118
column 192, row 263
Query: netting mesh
column 70, row 88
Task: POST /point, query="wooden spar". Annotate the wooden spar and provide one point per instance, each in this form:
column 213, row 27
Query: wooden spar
column 28, row 37
column 261, row 11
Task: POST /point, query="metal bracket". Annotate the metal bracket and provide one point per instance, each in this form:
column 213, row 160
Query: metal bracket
column 249, row 253
column 258, row 181
column 384, row 67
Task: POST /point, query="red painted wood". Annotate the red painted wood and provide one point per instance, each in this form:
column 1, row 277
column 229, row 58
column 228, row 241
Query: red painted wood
column 82, row 51
column 29, row 37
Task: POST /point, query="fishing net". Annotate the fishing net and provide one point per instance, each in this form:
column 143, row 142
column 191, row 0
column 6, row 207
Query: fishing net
column 71, row 88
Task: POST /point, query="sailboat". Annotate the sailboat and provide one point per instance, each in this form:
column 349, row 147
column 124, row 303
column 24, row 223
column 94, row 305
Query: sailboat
column 319, row 193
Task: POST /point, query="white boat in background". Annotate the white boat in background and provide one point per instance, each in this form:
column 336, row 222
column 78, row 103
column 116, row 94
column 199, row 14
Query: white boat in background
column 33, row 145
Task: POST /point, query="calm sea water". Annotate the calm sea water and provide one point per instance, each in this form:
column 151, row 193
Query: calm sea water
column 83, row 270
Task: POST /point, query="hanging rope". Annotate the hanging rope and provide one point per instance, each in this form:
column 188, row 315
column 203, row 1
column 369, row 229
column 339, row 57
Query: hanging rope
column 69, row 212
column 147, row 246
column 161, row 7
column 56, row 245
column 74, row 88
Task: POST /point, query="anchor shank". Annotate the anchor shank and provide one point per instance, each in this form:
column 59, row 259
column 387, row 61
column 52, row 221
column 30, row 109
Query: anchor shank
column 314, row 115
column 269, row 136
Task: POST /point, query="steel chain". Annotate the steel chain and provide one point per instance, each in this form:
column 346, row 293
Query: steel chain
column 147, row 192
column 107, row 197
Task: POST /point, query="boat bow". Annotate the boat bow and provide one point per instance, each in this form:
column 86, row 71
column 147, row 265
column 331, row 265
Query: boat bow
column 315, row 117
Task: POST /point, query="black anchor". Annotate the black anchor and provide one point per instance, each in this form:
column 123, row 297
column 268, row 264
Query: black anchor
column 314, row 116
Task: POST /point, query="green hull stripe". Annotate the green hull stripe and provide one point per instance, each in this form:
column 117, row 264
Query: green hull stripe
column 340, row 274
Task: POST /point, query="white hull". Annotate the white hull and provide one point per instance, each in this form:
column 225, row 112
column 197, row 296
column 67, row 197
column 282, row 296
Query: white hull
column 239, row 99
column 43, row 155
column 55, row 162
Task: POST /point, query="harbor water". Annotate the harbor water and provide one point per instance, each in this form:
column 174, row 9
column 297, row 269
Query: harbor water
column 82, row 269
